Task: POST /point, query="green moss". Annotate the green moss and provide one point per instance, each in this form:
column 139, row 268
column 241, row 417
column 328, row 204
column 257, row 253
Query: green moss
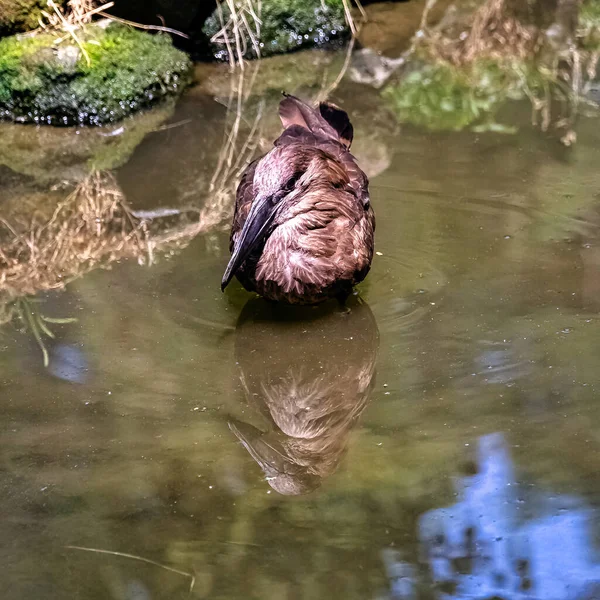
column 129, row 70
column 289, row 25
column 440, row 96
column 20, row 15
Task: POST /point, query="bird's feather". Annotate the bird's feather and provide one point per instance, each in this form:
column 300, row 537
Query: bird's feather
column 339, row 120
column 292, row 111
column 296, row 134
column 243, row 202
column 310, row 202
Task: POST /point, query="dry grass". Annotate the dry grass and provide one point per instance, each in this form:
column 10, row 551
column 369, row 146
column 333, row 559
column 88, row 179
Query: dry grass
column 243, row 24
column 242, row 135
column 69, row 22
column 90, row 229
column 78, row 14
column 236, row 153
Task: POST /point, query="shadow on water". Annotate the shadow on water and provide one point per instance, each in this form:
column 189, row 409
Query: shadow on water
column 311, row 397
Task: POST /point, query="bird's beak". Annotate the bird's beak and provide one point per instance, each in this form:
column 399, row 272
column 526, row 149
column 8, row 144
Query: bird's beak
column 259, row 219
column 272, row 460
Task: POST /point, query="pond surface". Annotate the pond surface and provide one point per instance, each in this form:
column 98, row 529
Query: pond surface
column 438, row 439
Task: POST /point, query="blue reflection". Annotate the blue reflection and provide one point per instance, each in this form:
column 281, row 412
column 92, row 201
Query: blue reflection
column 492, row 543
column 68, row 362
column 504, row 542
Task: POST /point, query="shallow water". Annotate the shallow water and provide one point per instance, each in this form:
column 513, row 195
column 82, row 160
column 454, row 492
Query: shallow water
column 439, row 439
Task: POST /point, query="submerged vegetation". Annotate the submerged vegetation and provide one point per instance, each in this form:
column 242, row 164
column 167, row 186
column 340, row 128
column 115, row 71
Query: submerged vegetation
column 33, row 321
column 128, row 70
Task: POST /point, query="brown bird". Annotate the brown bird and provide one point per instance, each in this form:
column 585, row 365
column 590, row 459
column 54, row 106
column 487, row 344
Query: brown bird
column 310, row 399
column 303, row 227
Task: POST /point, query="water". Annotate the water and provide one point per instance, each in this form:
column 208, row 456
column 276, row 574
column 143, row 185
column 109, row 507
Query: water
column 441, row 439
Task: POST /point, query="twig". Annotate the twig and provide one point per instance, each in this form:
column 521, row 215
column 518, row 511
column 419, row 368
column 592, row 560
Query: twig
column 172, row 125
column 426, row 10
column 139, row 558
column 226, row 37
column 140, row 26
column 349, row 18
column 69, row 28
column 325, row 94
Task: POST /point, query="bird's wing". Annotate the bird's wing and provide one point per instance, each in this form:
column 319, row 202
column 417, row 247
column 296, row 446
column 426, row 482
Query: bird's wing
column 243, row 201
column 359, row 182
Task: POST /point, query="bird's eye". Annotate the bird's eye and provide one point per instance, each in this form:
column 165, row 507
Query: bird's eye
column 290, row 184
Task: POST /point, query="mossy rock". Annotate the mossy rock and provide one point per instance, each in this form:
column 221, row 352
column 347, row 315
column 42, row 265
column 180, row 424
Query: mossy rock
column 20, row 15
column 288, row 25
column 128, row 70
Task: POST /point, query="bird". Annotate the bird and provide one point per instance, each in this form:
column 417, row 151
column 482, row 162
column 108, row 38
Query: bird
column 303, row 403
column 303, row 226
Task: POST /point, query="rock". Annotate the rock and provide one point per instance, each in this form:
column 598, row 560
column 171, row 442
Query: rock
column 127, row 70
column 288, row 25
column 68, row 57
column 303, row 73
column 371, row 68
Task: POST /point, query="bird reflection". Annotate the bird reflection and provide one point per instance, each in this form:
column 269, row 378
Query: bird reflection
column 309, row 372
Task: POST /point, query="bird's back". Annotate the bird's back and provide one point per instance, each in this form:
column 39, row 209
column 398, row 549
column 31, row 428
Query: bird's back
column 321, row 240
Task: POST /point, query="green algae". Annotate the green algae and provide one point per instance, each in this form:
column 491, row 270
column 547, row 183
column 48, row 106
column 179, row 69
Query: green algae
column 288, row 25
column 128, row 70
